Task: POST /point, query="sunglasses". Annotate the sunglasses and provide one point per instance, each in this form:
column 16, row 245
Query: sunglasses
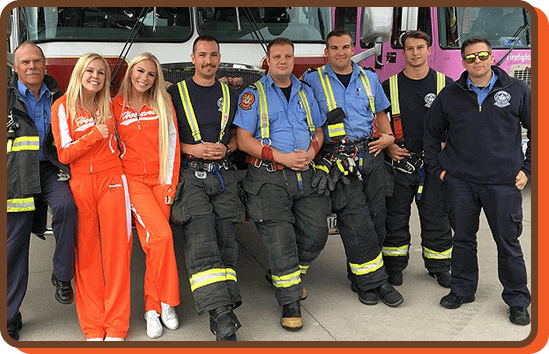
column 471, row 58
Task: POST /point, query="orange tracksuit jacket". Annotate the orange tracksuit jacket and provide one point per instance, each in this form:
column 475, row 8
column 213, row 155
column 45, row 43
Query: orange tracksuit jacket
column 103, row 249
column 138, row 133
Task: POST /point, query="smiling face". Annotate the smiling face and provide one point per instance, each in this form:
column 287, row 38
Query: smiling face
column 30, row 66
column 94, row 75
column 416, row 52
column 206, row 59
column 339, row 51
column 143, row 76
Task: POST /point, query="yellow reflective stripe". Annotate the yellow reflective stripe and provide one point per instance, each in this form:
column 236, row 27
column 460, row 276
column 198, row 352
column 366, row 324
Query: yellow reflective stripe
column 321, row 167
column 393, row 89
column 303, row 268
column 263, row 111
column 427, row 253
column 327, row 87
column 368, row 89
column 189, row 111
column 307, row 108
column 368, row 267
column 441, row 82
column 26, row 143
column 285, row 281
column 211, row 276
column 20, row 204
column 225, row 109
column 396, row 251
column 335, row 130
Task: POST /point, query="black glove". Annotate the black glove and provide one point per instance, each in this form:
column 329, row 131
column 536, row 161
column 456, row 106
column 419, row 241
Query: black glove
column 321, row 176
column 339, row 171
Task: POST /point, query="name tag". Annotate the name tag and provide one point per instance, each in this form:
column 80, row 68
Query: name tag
column 200, row 174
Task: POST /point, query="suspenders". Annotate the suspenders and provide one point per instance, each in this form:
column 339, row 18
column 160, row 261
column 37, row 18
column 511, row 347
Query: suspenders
column 395, row 102
column 191, row 117
column 264, row 111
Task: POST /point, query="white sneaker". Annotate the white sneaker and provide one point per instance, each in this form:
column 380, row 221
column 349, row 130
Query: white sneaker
column 154, row 327
column 94, row 339
column 169, row 317
column 114, row 339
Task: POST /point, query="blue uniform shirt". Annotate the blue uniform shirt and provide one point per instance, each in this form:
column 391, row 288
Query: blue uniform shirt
column 483, row 92
column 39, row 111
column 353, row 100
column 288, row 121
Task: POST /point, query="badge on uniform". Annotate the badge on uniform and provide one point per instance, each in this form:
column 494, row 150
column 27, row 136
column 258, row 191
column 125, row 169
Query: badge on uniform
column 247, row 100
column 502, row 99
column 200, row 174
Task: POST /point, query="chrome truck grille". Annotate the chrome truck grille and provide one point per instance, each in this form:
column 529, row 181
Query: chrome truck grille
column 176, row 72
column 523, row 73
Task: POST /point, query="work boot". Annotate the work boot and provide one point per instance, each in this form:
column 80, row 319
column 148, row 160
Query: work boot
column 368, row 297
column 388, row 295
column 291, row 317
column 63, row 290
column 395, row 278
column 443, row 278
column 454, row 301
column 519, row 315
column 224, row 323
column 15, row 326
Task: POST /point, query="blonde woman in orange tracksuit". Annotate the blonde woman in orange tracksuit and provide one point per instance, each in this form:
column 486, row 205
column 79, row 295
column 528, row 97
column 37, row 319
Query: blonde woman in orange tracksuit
column 146, row 126
column 84, row 135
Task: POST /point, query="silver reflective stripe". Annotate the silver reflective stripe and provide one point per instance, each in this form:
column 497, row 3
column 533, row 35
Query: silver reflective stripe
column 368, row 267
column 427, row 253
column 396, row 251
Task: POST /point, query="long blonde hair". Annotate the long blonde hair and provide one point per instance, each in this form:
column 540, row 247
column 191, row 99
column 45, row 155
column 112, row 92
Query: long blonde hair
column 102, row 98
column 159, row 100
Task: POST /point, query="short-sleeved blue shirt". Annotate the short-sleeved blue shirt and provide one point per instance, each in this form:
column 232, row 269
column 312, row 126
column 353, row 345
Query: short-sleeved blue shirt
column 39, row 110
column 288, row 121
column 353, row 100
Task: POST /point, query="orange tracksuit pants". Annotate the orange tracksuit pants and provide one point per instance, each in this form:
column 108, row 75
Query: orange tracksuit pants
column 103, row 253
column 155, row 234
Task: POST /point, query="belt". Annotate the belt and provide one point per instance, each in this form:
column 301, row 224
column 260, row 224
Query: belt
column 269, row 166
column 201, row 165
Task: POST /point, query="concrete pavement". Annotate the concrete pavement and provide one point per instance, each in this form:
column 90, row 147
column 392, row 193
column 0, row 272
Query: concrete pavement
column 332, row 311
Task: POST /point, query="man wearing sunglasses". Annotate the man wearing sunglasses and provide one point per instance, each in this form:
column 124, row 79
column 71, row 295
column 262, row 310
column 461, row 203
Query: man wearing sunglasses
column 482, row 166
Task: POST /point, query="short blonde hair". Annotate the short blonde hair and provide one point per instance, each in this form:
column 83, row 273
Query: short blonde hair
column 102, row 98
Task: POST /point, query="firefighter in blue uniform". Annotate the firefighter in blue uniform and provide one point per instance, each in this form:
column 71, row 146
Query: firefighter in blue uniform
column 351, row 98
column 412, row 91
column 279, row 126
column 34, row 176
column 482, row 166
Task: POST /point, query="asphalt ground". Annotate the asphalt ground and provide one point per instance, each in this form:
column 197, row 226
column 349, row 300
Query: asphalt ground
column 331, row 312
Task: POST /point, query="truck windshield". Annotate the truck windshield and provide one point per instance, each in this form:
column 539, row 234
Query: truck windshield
column 104, row 23
column 299, row 24
column 500, row 25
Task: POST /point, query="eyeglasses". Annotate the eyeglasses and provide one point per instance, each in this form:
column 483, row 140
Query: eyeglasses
column 471, row 58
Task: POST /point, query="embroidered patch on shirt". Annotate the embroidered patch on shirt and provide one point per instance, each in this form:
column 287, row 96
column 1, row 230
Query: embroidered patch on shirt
column 502, row 99
column 247, row 100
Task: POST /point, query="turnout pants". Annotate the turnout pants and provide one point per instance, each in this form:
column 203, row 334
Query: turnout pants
column 103, row 250
column 502, row 206
column 292, row 224
column 155, row 234
column 64, row 223
column 436, row 234
column 365, row 262
column 210, row 246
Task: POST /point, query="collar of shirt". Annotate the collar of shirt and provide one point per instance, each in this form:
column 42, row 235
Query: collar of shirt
column 24, row 91
column 482, row 93
column 296, row 84
column 331, row 72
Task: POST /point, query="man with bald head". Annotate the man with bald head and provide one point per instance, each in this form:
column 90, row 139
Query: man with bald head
column 35, row 176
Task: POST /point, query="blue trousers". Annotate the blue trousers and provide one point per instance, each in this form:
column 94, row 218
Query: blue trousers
column 502, row 206
column 64, row 222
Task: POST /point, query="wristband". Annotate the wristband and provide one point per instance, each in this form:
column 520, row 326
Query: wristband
column 267, row 153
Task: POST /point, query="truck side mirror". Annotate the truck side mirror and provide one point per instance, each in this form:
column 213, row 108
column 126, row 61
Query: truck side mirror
column 376, row 24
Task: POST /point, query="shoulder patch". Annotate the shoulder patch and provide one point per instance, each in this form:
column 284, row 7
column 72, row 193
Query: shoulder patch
column 247, row 100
